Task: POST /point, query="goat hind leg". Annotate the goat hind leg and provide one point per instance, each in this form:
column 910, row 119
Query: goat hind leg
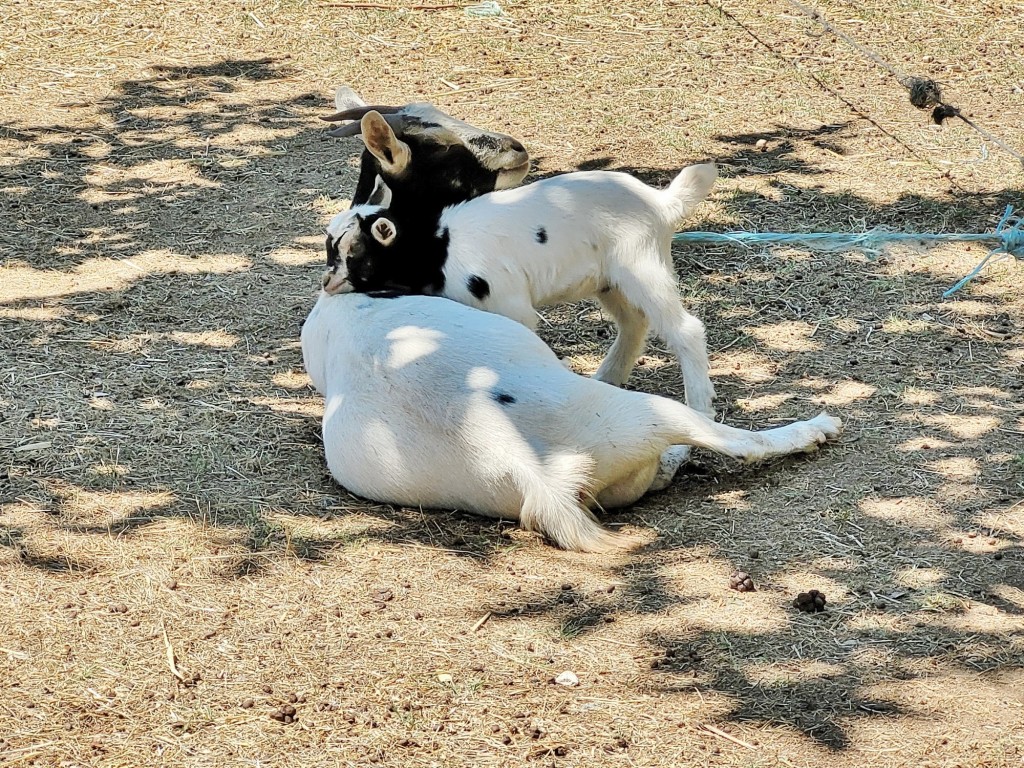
column 677, row 423
column 628, row 344
column 658, row 298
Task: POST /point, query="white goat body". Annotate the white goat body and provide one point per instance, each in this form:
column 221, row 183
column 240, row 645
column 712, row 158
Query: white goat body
column 592, row 234
column 431, row 403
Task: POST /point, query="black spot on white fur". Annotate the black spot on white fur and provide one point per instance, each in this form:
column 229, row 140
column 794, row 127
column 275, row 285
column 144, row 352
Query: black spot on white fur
column 503, row 398
column 478, row 287
column 542, row 235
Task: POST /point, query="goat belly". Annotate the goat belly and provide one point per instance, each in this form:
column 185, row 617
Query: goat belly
column 403, row 459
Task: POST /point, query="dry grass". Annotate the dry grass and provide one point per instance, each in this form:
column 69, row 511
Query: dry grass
column 164, row 180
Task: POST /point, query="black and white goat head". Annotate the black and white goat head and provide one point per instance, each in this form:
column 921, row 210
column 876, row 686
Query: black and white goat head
column 417, row 155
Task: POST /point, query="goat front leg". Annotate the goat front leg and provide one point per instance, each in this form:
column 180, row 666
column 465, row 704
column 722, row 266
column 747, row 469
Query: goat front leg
column 652, row 287
column 628, row 344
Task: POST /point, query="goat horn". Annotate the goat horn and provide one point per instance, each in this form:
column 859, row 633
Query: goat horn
column 396, row 121
column 351, row 129
column 356, row 113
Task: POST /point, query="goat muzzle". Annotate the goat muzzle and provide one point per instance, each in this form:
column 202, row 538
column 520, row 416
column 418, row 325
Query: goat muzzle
column 332, row 283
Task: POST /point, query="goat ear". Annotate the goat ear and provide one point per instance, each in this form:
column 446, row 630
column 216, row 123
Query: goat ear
column 383, row 231
column 346, row 98
column 381, row 194
column 393, row 153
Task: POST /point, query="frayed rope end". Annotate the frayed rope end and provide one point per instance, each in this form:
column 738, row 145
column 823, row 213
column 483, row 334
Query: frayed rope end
column 1010, row 232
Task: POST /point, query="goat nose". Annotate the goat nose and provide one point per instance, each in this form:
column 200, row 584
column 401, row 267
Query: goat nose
column 516, row 146
column 325, row 280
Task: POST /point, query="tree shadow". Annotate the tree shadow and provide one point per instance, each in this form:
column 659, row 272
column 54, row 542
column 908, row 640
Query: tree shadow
column 155, row 323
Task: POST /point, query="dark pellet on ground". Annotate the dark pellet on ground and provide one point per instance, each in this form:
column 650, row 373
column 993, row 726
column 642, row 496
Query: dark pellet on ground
column 248, row 703
column 810, row 602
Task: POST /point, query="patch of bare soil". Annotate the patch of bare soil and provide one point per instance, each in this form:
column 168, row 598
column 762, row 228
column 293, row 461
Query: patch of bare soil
column 181, row 583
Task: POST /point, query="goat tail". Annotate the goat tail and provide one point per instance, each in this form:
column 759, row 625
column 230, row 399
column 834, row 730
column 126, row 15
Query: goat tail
column 688, row 190
column 552, row 506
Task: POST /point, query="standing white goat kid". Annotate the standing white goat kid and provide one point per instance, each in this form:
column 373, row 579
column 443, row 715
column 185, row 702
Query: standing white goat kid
column 430, row 403
column 591, row 234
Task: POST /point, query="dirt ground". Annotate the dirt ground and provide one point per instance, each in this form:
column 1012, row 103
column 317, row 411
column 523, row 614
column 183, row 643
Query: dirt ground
column 176, row 565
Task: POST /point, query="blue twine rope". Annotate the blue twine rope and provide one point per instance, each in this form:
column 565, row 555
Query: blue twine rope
column 1008, row 238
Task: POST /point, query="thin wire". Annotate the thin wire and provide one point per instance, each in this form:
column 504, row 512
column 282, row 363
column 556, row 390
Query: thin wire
column 835, row 94
column 923, row 91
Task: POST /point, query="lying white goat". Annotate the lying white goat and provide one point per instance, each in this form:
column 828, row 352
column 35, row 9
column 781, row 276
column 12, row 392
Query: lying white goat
column 594, row 234
column 430, row 403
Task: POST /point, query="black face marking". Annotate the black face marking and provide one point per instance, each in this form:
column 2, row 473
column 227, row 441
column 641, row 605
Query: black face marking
column 368, row 166
column 478, row 287
column 332, row 252
column 411, row 121
column 485, row 142
column 406, row 265
column 541, row 235
column 504, row 398
column 437, row 175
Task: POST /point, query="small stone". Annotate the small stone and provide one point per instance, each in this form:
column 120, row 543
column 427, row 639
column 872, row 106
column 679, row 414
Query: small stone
column 761, row 145
column 445, row 678
column 568, row 679
column 248, row 703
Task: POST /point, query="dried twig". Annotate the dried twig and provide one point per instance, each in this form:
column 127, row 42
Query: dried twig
column 169, row 649
column 723, row 735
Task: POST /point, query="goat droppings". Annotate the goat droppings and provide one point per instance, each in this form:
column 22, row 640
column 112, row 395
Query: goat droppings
column 810, row 602
column 741, row 582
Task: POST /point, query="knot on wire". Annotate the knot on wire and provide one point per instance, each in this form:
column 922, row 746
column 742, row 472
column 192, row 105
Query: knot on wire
column 924, row 92
column 943, row 111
